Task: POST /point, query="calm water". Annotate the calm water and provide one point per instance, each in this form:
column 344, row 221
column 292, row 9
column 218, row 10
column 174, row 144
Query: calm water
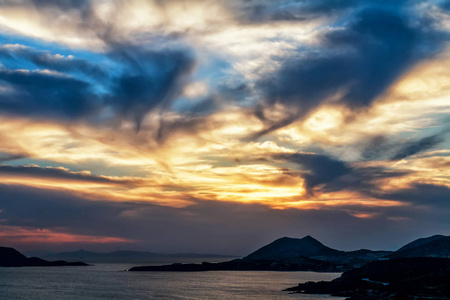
column 105, row 281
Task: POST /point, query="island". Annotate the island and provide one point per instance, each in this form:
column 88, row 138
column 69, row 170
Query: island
column 284, row 254
column 10, row 257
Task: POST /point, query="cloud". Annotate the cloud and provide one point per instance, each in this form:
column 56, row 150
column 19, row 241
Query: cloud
column 11, row 235
column 327, row 174
column 5, row 157
column 418, row 146
column 46, row 95
column 382, row 147
column 354, row 64
column 101, row 86
column 58, row 173
column 320, row 169
column 150, row 78
column 140, row 74
column 445, row 5
column 422, row 194
column 47, row 60
column 62, row 4
column 288, row 10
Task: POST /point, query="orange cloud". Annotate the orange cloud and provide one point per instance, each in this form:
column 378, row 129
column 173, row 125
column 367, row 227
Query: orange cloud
column 22, row 235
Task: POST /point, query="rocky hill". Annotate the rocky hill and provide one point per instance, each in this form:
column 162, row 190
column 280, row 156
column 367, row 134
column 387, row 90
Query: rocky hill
column 285, row 254
column 288, row 248
column 291, row 248
column 10, row 257
column 435, row 246
column 420, row 242
column 403, row 278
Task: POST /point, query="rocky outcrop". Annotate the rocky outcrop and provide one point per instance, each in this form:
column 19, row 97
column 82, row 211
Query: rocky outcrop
column 10, row 257
column 404, row 278
column 292, row 248
column 435, row 246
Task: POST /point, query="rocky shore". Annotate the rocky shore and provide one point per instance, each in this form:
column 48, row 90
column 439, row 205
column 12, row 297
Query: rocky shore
column 403, row 278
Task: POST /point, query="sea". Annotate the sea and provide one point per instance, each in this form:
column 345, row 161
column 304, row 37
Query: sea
column 112, row 281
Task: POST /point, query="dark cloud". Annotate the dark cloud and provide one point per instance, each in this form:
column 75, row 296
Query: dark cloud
column 5, row 157
column 358, row 62
column 386, row 46
column 61, row 4
column 188, row 124
column 49, row 4
column 376, row 147
column 421, row 145
column 150, row 79
column 59, row 173
column 381, row 147
column 445, row 5
column 330, row 175
column 46, row 95
column 422, row 194
column 319, row 169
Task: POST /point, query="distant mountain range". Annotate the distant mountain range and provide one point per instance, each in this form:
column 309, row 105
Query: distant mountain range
column 308, row 254
column 10, row 257
column 127, row 256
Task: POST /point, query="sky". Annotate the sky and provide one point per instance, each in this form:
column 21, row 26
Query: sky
column 219, row 126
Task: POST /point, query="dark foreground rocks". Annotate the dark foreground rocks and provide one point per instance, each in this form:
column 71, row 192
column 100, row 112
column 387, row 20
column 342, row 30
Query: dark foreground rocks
column 403, row 278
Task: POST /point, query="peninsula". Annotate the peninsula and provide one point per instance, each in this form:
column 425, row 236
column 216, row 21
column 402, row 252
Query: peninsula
column 10, row 257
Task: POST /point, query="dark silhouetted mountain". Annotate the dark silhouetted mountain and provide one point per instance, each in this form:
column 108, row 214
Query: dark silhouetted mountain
column 292, row 248
column 287, row 248
column 435, row 246
column 403, row 278
column 420, row 242
column 127, row 256
column 10, row 257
